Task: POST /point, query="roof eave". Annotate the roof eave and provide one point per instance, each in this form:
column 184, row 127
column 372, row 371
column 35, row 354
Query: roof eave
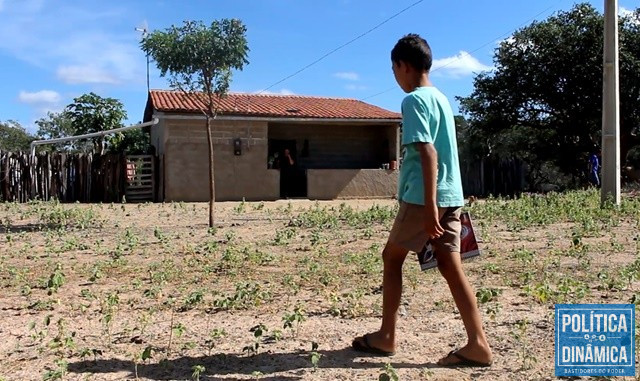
column 184, row 115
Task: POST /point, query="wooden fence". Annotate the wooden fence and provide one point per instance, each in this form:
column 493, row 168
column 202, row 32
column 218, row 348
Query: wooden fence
column 65, row 177
column 495, row 177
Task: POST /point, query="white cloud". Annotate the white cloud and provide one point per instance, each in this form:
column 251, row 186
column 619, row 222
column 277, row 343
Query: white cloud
column 625, row 12
column 85, row 74
column 42, row 97
column 347, row 75
column 628, row 13
column 82, row 49
column 461, row 65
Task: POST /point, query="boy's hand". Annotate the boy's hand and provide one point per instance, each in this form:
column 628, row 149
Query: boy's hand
column 432, row 224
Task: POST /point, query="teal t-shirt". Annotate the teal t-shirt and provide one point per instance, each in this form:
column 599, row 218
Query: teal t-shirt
column 427, row 117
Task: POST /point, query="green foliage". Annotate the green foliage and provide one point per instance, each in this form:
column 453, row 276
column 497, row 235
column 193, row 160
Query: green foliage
column 633, row 157
column 247, row 295
column 55, row 215
column 146, row 353
column 485, row 295
column 92, row 113
column 14, row 137
column 542, row 103
column 388, row 373
column 294, row 319
column 315, row 356
column 58, row 372
column 56, row 280
column 258, row 333
column 199, row 58
column 54, row 126
column 132, row 142
column 197, row 372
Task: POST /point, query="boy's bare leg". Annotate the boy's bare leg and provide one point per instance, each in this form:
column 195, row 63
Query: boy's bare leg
column 477, row 348
column 393, row 257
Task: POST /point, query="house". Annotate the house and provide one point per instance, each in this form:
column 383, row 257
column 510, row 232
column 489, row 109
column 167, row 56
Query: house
column 339, row 147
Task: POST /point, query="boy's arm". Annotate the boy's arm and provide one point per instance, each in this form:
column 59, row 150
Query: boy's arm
column 429, row 160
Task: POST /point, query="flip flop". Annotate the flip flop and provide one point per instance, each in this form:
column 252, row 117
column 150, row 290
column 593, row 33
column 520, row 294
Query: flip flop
column 464, row 362
column 362, row 345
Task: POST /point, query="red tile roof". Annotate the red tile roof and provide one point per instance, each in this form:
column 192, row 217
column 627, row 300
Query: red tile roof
column 279, row 106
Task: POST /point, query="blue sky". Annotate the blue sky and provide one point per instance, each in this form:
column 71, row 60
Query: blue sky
column 54, row 50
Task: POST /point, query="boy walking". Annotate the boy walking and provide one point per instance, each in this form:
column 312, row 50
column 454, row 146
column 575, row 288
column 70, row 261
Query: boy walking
column 430, row 196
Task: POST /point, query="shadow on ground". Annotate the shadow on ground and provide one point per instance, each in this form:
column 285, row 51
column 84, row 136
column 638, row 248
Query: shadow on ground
column 221, row 365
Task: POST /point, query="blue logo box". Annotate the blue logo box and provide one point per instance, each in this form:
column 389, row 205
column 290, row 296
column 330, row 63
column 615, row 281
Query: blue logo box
column 595, row 340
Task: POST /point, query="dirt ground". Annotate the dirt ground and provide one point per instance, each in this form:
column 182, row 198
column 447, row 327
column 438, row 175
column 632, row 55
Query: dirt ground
column 115, row 292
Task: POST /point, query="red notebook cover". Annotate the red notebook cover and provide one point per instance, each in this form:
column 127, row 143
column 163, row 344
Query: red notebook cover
column 468, row 245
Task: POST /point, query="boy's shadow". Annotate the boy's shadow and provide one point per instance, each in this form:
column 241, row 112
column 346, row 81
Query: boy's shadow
column 220, row 365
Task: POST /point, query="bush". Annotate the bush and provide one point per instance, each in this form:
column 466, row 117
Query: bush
column 633, row 157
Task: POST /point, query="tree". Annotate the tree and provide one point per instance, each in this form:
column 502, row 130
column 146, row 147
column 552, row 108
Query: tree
column 54, row 126
column 91, row 113
column 132, row 142
column 199, row 60
column 543, row 102
column 14, row 137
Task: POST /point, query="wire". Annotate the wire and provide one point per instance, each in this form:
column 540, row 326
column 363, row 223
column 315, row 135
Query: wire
column 341, row 46
column 475, row 50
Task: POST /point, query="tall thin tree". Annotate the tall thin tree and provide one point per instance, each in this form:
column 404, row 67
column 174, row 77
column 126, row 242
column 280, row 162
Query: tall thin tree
column 198, row 60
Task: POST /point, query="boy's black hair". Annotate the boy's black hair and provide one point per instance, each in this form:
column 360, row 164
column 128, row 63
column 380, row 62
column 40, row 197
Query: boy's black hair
column 413, row 50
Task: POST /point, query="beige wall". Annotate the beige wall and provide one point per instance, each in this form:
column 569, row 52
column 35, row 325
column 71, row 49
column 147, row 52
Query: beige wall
column 328, row 184
column 185, row 157
column 181, row 145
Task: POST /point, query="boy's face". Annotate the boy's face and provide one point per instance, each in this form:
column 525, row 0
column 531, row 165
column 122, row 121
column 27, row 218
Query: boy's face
column 401, row 72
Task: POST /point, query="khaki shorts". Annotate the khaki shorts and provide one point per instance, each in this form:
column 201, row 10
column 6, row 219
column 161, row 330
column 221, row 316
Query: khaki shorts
column 408, row 229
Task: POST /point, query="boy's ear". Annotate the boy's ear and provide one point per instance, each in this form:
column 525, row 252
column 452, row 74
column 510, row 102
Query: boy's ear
column 403, row 66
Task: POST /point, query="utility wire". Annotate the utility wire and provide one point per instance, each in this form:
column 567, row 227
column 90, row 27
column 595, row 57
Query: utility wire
column 473, row 51
column 341, row 47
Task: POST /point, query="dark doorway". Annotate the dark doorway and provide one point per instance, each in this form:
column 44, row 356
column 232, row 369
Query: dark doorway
column 283, row 155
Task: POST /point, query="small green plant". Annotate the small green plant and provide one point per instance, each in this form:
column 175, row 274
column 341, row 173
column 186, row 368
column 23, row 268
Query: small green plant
column 248, row 294
column 160, row 235
column 179, row 330
column 56, row 280
column 214, row 336
column 541, row 291
column 230, row 236
column 58, row 372
column 493, row 268
column 198, row 370
column 108, row 310
column 485, row 295
column 520, row 335
column 241, row 207
column 258, row 332
column 388, row 373
column 293, row 320
column 315, row 356
column 194, row 298
column 493, row 310
column 284, row 236
column 144, row 356
column 290, row 282
column 146, row 353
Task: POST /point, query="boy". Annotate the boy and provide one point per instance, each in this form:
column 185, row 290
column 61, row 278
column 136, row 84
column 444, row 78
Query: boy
column 430, row 196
